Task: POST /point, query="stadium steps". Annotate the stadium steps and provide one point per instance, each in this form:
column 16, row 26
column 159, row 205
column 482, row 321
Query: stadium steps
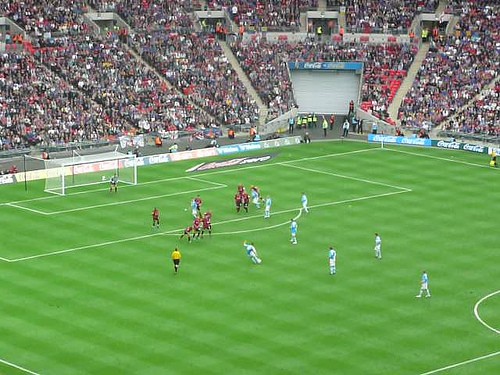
column 165, row 81
column 465, row 107
column 246, row 82
column 322, row 5
column 408, row 82
column 443, row 4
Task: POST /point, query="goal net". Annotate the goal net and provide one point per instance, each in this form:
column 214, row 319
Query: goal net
column 78, row 170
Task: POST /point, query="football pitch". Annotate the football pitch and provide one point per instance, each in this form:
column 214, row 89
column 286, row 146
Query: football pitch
column 88, row 285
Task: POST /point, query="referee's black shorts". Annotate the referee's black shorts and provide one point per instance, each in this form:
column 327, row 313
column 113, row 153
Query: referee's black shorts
column 176, row 261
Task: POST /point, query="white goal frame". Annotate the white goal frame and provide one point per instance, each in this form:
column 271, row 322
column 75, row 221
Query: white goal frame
column 111, row 161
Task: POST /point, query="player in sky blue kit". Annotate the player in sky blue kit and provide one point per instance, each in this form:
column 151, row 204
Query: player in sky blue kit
column 252, row 252
column 304, row 203
column 332, row 260
column 255, row 196
column 267, row 212
column 293, row 229
column 424, row 286
column 194, row 208
column 378, row 247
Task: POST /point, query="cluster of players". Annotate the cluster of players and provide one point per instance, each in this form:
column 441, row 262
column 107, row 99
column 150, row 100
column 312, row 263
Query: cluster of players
column 202, row 222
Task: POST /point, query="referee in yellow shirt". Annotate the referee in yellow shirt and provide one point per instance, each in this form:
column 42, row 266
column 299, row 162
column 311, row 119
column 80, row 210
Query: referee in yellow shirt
column 176, row 258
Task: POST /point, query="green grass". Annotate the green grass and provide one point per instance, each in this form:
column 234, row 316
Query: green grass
column 117, row 308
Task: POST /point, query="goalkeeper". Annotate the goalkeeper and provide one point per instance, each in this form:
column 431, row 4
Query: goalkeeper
column 113, row 184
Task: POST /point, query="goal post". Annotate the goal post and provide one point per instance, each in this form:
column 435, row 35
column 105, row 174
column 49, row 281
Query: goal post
column 85, row 170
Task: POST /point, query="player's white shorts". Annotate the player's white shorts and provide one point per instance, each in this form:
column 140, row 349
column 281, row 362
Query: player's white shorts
column 332, row 263
column 194, row 211
column 304, row 204
column 424, row 286
column 377, row 247
column 255, row 200
column 268, row 208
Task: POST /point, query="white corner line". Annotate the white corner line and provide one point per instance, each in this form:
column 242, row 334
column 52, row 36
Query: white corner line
column 333, row 203
column 18, row 367
column 461, row 363
column 348, row 177
column 28, row 209
column 476, row 312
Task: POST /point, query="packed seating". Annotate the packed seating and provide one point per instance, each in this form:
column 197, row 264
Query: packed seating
column 274, row 14
column 39, row 108
column 265, row 64
column 456, row 70
column 112, row 77
column 197, row 66
column 45, row 16
column 369, row 16
column 480, row 117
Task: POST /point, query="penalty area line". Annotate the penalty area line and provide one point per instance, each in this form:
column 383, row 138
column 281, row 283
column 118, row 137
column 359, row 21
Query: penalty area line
column 461, row 363
column 27, row 209
column 171, row 232
column 18, row 367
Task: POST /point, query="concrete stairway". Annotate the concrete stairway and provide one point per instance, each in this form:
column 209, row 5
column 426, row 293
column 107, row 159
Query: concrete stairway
column 246, row 81
column 441, row 7
column 166, row 82
column 408, row 81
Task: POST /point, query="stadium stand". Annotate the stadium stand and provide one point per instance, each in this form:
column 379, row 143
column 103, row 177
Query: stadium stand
column 457, row 69
column 375, row 16
column 274, row 14
column 265, row 64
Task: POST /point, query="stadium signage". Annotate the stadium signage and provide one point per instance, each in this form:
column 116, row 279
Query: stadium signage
column 7, row 179
column 493, row 149
column 230, row 163
column 356, row 66
column 461, row 146
column 399, row 140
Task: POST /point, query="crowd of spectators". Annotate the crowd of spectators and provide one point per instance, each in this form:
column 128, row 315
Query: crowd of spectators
column 456, row 69
column 196, row 65
column 265, row 65
column 480, row 117
column 273, row 14
column 39, row 108
column 385, row 15
column 39, row 17
column 112, row 77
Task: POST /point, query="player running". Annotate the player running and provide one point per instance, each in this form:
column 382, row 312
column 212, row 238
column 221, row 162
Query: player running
column 267, row 211
column 304, row 203
column 252, row 252
column 378, row 247
column 256, row 196
column 187, row 232
column 332, row 260
column 424, row 286
column 176, row 258
column 237, row 201
column 207, row 224
column 293, row 229
column 156, row 218
column 246, row 201
column 113, row 184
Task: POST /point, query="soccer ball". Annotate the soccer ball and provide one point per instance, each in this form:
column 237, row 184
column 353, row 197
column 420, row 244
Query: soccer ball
column 104, row 178
column 259, row 261
column 185, row 209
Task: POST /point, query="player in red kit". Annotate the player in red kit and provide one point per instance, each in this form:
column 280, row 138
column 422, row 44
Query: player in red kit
column 199, row 202
column 197, row 228
column 237, row 201
column 246, row 201
column 187, row 232
column 156, row 217
column 207, row 223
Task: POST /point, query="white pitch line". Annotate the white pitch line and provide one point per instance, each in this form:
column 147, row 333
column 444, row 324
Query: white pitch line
column 476, row 313
column 461, row 363
column 349, row 177
column 27, row 209
column 18, row 367
column 133, row 200
column 440, row 158
column 5, row 259
column 200, row 174
column 181, row 229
